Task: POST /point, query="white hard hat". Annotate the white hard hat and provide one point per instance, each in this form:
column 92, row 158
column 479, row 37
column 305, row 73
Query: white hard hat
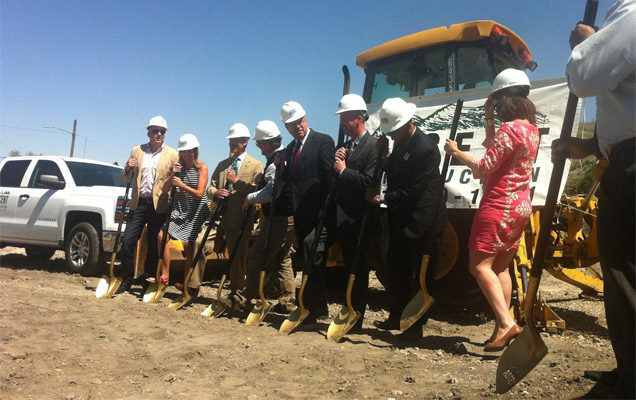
column 188, row 142
column 291, row 111
column 395, row 113
column 238, row 131
column 266, row 130
column 351, row 102
column 158, row 121
column 508, row 78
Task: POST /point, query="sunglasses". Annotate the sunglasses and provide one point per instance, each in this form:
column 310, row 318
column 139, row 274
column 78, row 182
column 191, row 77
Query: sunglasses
column 155, row 131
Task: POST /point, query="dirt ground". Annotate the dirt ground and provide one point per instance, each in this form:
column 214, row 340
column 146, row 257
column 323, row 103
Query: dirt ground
column 60, row 342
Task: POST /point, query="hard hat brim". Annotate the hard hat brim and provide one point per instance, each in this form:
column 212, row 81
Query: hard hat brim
column 295, row 118
column 407, row 117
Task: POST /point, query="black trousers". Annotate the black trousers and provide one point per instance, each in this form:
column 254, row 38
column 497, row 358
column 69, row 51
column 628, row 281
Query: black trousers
column 348, row 234
column 403, row 261
column 315, row 297
column 144, row 214
column 617, row 248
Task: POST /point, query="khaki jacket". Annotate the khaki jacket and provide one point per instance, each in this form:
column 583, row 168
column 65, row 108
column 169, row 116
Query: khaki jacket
column 167, row 160
column 250, row 167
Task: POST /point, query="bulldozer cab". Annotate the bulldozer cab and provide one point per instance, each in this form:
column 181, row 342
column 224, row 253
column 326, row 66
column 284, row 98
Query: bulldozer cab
column 463, row 56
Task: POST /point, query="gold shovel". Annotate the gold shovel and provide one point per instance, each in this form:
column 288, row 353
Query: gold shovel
column 528, row 349
column 107, row 286
column 347, row 317
column 423, row 300
column 218, row 305
column 185, row 297
column 299, row 314
column 260, row 309
column 156, row 289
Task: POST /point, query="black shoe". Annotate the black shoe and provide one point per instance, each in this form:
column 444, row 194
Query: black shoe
column 318, row 316
column 125, row 286
column 608, row 378
column 357, row 327
column 140, row 280
column 411, row 334
column 388, row 324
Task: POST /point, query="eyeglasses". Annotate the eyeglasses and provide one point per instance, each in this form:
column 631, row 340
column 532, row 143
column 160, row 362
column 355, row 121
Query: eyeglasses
column 155, row 131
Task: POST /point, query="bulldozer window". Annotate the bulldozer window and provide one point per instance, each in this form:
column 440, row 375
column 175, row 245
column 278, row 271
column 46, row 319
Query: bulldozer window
column 474, row 68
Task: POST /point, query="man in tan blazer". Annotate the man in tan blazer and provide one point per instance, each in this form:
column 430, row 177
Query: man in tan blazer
column 150, row 164
column 233, row 187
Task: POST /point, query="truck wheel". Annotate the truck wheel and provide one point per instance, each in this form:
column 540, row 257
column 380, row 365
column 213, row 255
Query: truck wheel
column 39, row 252
column 82, row 249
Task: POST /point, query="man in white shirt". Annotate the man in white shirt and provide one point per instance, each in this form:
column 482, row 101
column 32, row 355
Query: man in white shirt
column 150, row 164
column 603, row 64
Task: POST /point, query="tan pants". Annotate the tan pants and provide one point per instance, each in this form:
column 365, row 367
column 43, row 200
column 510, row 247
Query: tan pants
column 279, row 273
column 239, row 264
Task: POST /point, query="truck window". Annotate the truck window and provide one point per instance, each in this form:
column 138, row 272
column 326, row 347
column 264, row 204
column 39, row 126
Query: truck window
column 44, row 167
column 12, row 173
column 86, row 174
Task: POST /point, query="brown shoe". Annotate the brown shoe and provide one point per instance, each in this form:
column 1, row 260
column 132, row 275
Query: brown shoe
column 502, row 342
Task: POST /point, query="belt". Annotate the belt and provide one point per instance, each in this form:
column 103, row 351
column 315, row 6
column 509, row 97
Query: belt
column 147, row 200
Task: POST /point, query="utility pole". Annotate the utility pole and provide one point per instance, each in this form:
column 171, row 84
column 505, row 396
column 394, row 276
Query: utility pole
column 73, row 140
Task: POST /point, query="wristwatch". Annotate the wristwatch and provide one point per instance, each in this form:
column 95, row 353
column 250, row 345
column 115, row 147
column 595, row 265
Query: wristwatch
column 489, row 121
column 379, row 199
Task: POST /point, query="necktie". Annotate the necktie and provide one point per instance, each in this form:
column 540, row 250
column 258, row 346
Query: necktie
column 233, row 167
column 296, row 155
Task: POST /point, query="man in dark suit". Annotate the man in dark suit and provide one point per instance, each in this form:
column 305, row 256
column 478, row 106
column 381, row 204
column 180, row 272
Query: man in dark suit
column 355, row 164
column 414, row 187
column 310, row 157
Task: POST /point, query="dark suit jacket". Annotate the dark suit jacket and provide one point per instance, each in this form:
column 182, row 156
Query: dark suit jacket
column 311, row 179
column 354, row 180
column 414, row 185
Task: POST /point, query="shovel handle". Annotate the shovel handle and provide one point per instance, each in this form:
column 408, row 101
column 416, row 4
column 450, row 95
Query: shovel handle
column 559, row 165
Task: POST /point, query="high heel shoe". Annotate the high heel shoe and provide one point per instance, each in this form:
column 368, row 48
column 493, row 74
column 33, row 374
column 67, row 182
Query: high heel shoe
column 502, row 342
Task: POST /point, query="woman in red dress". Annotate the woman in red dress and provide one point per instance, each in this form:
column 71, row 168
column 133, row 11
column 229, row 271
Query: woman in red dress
column 505, row 207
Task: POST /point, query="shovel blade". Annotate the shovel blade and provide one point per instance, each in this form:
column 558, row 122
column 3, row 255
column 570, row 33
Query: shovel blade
column 114, row 285
column 180, row 301
column 258, row 313
column 342, row 324
column 295, row 318
column 214, row 310
column 150, row 292
column 521, row 356
column 161, row 290
column 102, row 287
column 419, row 304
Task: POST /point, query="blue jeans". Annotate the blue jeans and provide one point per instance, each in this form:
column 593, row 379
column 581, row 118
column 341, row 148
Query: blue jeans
column 144, row 214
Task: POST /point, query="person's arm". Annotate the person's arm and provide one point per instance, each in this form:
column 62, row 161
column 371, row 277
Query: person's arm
column 607, row 57
column 360, row 179
column 264, row 195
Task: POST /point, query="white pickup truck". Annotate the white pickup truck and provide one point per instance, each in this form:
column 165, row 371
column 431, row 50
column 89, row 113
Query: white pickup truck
column 50, row 203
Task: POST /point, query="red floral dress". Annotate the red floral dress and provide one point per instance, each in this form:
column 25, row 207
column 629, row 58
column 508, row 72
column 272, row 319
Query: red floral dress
column 505, row 206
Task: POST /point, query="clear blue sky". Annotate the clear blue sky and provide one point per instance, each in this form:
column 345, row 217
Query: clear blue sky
column 205, row 65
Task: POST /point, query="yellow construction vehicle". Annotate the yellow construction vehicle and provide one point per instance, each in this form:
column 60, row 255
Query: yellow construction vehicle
column 433, row 69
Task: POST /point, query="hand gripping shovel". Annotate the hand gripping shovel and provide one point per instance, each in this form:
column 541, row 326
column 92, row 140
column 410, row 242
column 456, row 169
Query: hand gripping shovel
column 107, row 286
column 422, row 300
column 528, row 349
column 299, row 314
column 347, row 317
column 156, row 289
column 185, row 297
column 260, row 310
column 218, row 305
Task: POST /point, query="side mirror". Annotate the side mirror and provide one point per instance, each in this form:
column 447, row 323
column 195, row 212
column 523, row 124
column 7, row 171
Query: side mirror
column 51, row 181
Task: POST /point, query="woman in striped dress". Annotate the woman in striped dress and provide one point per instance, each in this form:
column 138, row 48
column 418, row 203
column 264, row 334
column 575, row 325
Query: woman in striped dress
column 191, row 206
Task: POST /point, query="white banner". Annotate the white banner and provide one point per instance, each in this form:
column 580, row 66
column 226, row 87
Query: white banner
column 435, row 115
